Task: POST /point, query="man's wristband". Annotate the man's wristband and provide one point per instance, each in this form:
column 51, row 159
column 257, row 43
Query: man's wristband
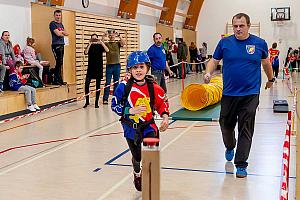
column 272, row 80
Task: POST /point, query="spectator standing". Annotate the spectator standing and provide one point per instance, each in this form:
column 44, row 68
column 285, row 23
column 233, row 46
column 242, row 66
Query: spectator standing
column 159, row 64
column 182, row 57
column 203, row 52
column 193, row 56
column 94, row 50
column 113, row 66
column 58, row 33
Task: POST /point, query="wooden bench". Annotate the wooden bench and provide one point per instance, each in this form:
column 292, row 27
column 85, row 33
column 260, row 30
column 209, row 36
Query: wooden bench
column 14, row 101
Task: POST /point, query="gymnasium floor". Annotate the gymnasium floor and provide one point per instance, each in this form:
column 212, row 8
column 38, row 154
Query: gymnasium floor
column 72, row 153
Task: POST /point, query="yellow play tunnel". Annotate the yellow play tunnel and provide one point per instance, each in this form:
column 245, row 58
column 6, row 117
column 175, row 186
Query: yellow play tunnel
column 197, row 96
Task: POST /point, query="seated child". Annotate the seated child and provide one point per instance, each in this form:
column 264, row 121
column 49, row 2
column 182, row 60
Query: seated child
column 30, row 56
column 135, row 101
column 17, row 82
column 18, row 53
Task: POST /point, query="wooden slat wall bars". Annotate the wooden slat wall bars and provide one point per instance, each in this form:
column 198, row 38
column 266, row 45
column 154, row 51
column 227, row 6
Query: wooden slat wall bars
column 86, row 25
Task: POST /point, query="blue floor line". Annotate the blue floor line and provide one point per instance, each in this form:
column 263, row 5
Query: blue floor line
column 97, row 169
column 124, row 152
column 199, row 170
column 116, row 157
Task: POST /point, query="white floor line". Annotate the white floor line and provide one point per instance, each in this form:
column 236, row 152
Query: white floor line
column 58, row 148
column 63, row 146
column 117, row 185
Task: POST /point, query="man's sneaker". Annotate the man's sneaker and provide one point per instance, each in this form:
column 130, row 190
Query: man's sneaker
column 229, row 154
column 36, row 107
column 241, row 172
column 31, row 108
column 138, row 181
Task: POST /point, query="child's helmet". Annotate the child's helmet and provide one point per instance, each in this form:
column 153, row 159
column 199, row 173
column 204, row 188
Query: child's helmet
column 137, row 57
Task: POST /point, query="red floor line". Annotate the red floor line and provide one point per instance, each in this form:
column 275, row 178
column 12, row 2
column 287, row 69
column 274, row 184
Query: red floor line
column 54, row 141
column 105, row 134
column 35, row 144
column 28, row 123
column 67, row 139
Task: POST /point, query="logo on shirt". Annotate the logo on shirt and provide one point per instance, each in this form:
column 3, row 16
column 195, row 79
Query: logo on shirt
column 250, row 49
column 141, row 101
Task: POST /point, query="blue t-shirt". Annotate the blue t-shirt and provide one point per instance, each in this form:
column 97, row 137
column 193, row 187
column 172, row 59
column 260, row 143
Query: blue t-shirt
column 241, row 64
column 56, row 39
column 157, row 57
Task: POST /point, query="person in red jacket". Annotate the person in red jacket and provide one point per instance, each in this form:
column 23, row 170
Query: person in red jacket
column 135, row 101
column 274, row 59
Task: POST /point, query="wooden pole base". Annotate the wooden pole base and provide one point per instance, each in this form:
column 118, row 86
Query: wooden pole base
column 150, row 173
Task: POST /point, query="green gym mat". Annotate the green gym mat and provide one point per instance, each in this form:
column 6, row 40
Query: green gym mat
column 210, row 113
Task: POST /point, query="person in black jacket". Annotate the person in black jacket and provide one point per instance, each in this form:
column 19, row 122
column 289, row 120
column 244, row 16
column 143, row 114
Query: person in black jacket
column 94, row 50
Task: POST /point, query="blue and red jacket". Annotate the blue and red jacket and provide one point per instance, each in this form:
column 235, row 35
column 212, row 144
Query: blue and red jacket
column 139, row 95
column 16, row 81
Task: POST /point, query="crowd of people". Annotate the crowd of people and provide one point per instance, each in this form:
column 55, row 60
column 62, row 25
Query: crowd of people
column 13, row 59
column 179, row 52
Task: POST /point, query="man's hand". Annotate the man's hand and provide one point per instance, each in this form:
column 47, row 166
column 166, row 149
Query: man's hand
column 165, row 123
column 104, row 36
column 137, row 110
column 206, row 78
column 171, row 73
column 269, row 84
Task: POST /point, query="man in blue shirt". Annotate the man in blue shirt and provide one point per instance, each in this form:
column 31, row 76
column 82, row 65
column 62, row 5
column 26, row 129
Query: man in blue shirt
column 58, row 32
column 242, row 55
column 157, row 55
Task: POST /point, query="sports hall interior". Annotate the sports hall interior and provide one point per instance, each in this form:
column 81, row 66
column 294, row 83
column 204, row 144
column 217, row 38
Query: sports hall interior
column 70, row 152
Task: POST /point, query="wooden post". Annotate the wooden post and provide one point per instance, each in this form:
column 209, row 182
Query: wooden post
column 151, row 169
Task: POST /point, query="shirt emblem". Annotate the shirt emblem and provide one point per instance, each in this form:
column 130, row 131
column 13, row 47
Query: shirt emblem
column 250, row 49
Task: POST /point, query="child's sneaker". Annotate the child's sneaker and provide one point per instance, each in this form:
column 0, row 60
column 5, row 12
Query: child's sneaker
column 241, row 172
column 36, row 107
column 138, row 180
column 229, row 154
column 31, row 108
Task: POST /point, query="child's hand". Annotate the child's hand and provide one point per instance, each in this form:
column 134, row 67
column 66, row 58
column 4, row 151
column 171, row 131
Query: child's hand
column 137, row 110
column 165, row 123
column 26, row 76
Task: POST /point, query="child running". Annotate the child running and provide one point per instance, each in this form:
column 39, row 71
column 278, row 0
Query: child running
column 135, row 101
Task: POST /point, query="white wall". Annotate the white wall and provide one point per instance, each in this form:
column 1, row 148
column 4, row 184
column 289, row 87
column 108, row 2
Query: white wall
column 15, row 17
column 215, row 14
